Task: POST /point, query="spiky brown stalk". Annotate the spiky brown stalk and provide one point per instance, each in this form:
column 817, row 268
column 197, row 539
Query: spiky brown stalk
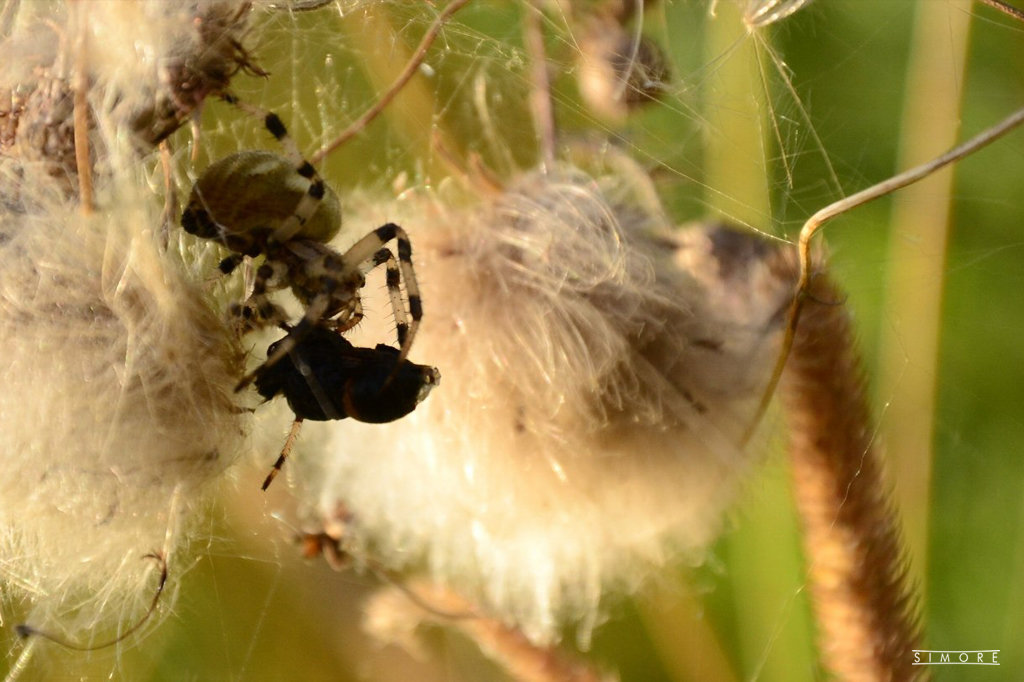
column 856, row 564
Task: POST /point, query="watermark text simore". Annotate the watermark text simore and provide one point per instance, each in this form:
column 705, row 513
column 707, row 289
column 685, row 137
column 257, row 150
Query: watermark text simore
column 976, row 657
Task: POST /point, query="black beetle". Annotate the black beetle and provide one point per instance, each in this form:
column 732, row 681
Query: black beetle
column 325, row 377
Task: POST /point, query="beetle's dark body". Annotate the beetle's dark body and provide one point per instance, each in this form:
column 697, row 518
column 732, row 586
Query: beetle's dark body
column 325, row 377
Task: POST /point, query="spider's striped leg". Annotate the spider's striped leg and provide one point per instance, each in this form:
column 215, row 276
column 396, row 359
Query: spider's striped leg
column 228, row 265
column 311, row 199
column 365, row 251
column 385, row 257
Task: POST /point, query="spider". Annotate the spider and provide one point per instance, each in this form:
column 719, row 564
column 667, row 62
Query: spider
column 257, row 203
column 324, row 377
column 260, row 203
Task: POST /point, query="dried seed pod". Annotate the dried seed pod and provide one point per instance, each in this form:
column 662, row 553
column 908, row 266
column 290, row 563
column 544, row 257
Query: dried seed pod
column 619, row 70
column 200, row 65
column 178, row 57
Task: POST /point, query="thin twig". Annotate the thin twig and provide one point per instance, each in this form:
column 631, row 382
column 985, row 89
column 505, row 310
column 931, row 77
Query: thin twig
column 410, row 70
column 299, row 5
column 81, row 114
column 540, row 92
column 1005, row 8
column 25, row 630
column 522, row 659
column 506, row 645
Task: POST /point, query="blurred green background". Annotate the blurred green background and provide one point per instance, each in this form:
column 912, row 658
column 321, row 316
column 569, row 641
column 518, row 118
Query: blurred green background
column 731, row 138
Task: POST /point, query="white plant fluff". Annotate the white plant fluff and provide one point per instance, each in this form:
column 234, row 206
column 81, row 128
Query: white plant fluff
column 597, row 384
column 116, row 402
column 117, row 416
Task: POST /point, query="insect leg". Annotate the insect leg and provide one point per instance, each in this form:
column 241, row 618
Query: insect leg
column 350, row 316
column 289, row 443
column 314, row 315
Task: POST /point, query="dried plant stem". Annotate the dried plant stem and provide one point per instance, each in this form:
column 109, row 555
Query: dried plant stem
column 411, row 67
column 521, row 659
column 507, row 646
column 421, row 602
column 24, row 630
column 876, row 191
column 1004, row 7
column 540, row 95
column 856, row 564
column 81, row 115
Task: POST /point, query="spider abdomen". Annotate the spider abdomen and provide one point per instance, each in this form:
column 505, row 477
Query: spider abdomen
column 243, row 198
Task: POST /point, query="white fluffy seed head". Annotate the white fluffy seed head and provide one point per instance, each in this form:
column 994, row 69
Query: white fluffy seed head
column 593, row 399
column 116, row 406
